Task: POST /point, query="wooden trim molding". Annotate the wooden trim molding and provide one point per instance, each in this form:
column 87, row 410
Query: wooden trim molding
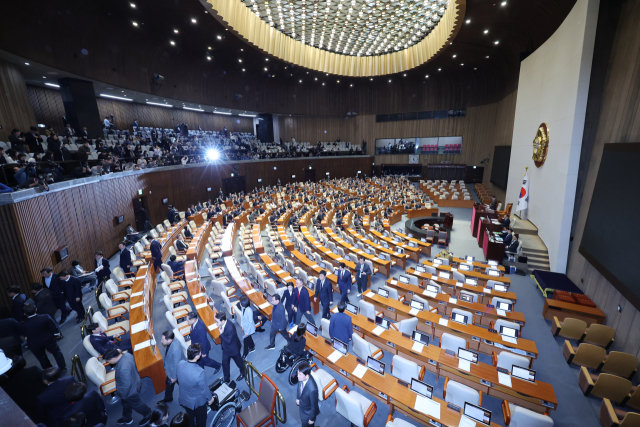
column 239, row 19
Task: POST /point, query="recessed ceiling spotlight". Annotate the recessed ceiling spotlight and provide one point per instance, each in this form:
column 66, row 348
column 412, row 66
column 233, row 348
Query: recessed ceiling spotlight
column 454, row 55
column 26, row 63
column 239, row 60
column 468, row 21
column 209, row 48
column 265, row 68
column 300, row 81
column 461, row 65
column 133, row 5
column 219, row 37
column 243, row 70
column 371, row 79
column 135, row 24
column 487, row 56
column 404, row 75
column 266, row 59
column 208, row 57
column 172, row 43
column 316, row 78
column 43, row 77
column 486, row 31
column 496, row 42
column 176, row 31
column 351, row 85
column 439, row 69
column 241, row 50
column 193, row 20
column 338, row 81
column 427, row 76
column 322, row 84
column 389, row 80
column 52, row 85
column 504, row 3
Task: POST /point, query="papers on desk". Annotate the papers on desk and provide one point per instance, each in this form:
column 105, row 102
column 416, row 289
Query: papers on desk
column 464, row 365
column 142, row 345
column 393, row 282
column 250, row 291
column 453, row 300
column 466, row 422
column 199, row 306
column 443, row 322
column 429, row 294
column 417, row 347
column 272, row 264
column 359, row 371
column 504, row 379
column 509, row 340
column 136, row 294
column 213, row 326
column 459, row 284
column 263, row 306
column 454, row 269
column 139, row 327
column 335, row 356
column 370, row 294
column 376, row 259
column 487, row 290
column 427, row 406
column 314, row 266
column 197, row 295
column 501, row 312
column 378, row 330
column 286, row 279
column 139, row 304
column 414, row 311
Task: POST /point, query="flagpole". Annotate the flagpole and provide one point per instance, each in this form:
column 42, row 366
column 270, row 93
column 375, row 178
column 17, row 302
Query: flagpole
column 526, row 170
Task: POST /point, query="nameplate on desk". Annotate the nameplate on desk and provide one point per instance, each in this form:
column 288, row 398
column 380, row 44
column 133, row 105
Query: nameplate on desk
column 343, row 372
column 360, row 361
column 434, row 423
column 370, row 320
column 390, row 344
column 203, row 305
column 142, row 345
column 487, row 383
column 136, row 294
column 402, row 383
column 250, row 291
column 391, row 309
column 433, row 362
column 357, row 328
column 491, row 306
column 547, row 404
column 426, row 322
column 453, row 407
column 504, row 371
column 487, row 342
column 406, row 335
column 382, row 395
column 136, row 305
column 450, row 353
column 139, row 327
column 442, row 303
column 493, row 331
column 198, row 295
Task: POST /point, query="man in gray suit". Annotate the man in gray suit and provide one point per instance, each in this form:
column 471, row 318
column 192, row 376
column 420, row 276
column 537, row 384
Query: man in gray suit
column 194, row 390
column 128, row 386
column 307, row 396
column 363, row 271
column 173, row 354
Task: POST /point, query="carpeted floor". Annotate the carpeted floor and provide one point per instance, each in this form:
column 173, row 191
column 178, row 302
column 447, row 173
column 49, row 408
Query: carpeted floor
column 573, row 407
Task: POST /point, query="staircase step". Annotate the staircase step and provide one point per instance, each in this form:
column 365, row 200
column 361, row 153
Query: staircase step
column 532, row 255
column 535, row 251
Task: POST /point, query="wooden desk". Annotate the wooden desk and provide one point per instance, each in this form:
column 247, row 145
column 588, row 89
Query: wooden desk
column 479, row 338
column 401, row 259
column 201, row 302
column 425, row 247
column 562, row 310
column 491, row 247
column 488, row 226
column 312, row 268
column 443, row 301
column 477, row 212
column 228, row 239
column 412, row 251
column 421, row 213
column 384, row 266
column 199, row 241
column 482, row 277
column 166, row 240
column 148, row 359
column 239, row 278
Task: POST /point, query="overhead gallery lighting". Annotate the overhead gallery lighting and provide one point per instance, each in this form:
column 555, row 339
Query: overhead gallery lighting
column 159, row 104
column 193, row 109
column 221, row 112
column 52, row 85
column 104, row 95
column 247, row 115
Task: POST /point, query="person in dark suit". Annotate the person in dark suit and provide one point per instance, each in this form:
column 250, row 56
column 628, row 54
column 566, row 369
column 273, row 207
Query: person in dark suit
column 304, row 303
column 90, row 404
column 172, row 215
column 289, row 302
column 173, row 354
column 41, row 331
column 51, row 402
column 128, row 386
column 325, row 289
column 125, row 257
column 43, row 300
column 508, row 237
column 83, row 133
column 278, row 323
column 200, row 335
column 103, row 270
column 17, row 302
column 513, row 246
column 340, row 326
column 176, row 266
column 505, row 221
column 34, row 140
column 194, row 388
column 51, row 281
column 307, row 395
column 344, row 282
column 156, row 253
column 180, row 243
column 101, row 342
column 73, row 291
column 493, row 204
column 230, row 346
column 363, row 271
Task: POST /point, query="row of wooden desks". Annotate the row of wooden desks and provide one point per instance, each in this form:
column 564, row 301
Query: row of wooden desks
column 538, row 396
column 411, row 249
column 482, row 277
column 450, row 285
column 421, row 212
column 384, row 266
column 479, row 338
column 425, row 247
column 257, row 298
column 482, row 314
column 201, row 301
column 401, row 259
column 228, row 239
column 166, row 240
column 199, row 241
column 310, row 266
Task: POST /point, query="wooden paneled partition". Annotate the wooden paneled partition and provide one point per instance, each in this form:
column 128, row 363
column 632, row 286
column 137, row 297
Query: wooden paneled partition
column 82, row 217
column 15, row 109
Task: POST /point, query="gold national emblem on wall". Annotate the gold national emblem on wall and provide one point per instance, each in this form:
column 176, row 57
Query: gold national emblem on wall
column 541, row 145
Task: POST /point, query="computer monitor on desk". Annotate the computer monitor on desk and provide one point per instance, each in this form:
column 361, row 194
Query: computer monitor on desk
column 404, row 279
column 500, row 288
column 422, row 388
column 312, row 329
column 444, row 274
column 420, row 337
column 469, row 355
column 494, row 273
column 470, row 258
column 383, row 293
column 375, row 365
column 352, row 309
column 381, row 321
column 504, row 306
column 464, row 267
column 339, row 345
column 459, row 318
column 471, row 281
column 420, row 269
column 437, row 261
column 431, row 288
column 417, row 305
column 492, row 263
column 508, row 332
column 477, row 413
column 523, row 373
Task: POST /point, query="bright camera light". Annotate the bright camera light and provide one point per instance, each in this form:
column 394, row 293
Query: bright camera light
column 213, row 155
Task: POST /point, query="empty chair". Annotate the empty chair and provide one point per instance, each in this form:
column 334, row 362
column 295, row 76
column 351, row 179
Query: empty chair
column 326, row 383
column 354, row 407
column 517, row 416
column 452, row 342
column 113, row 311
column 364, row 349
column 507, row 359
column 459, row 277
column 468, row 314
column 405, row 369
column 607, row 386
column 457, row 394
column 502, row 322
column 368, row 310
column 624, row 365
column 496, row 300
column 445, row 261
column 219, row 289
column 261, row 412
column 569, row 328
column 393, row 292
column 491, row 284
column 325, row 325
column 588, row 355
column 472, row 295
column 600, row 335
column 98, row 375
column 406, row 326
column 614, row 417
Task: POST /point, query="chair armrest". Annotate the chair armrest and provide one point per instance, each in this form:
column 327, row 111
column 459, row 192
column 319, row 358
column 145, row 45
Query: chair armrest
column 393, row 325
column 585, row 382
column 379, row 313
column 176, row 299
column 378, row 351
column 116, row 311
column 506, row 412
column 567, row 352
column 480, row 401
column 113, row 328
column 120, row 296
column 494, row 358
column 444, row 389
column 421, row 374
column 345, row 388
column 328, row 390
column 370, row 413
column 556, row 326
column 180, row 312
column 402, row 298
column 608, row 416
column 106, row 383
column 434, row 310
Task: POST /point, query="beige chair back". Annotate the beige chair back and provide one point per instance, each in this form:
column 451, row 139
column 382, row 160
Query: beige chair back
column 589, row 355
column 573, row 329
column 611, row 387
column 621, row 364
column 599, row 335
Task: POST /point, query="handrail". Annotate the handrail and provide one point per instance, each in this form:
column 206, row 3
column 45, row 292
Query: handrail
column 77, row 370
column 280, row 410
column 88, row 316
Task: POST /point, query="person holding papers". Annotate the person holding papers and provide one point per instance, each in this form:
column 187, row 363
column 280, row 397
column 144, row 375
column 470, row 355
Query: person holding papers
column 344, row 282
column 340, row 326
column 102, row 267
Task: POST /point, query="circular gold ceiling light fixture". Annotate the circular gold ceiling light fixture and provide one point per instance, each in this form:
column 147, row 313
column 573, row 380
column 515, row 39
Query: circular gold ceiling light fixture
column 345, row 37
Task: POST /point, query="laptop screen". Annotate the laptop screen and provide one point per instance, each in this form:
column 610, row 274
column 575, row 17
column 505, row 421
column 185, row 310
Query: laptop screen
column 420, row 269
column 383, row 293
column 352, row 309
column 444, row 274
column 339, row 345
column 420, row 337
column 509, row 332
column 503, row 306
column 404, row 279
column 470, row 258
column 417, row 304
column 311, row 328
column 437, row 261
column 477, row 413
column 432, row 288
column 367, row 251
column 471, row 281
column 523, row 374
column 464, row 267
column 465, row 297
column 457, row 317
column 380, row 321
column 492, row 263
column 471, row 356
column 421, row 388
column 500, row 288
column 375, row 365
column 494, row 273
column 386, row 246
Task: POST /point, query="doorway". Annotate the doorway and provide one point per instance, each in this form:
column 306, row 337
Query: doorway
column 310, row 175
column 140, row 205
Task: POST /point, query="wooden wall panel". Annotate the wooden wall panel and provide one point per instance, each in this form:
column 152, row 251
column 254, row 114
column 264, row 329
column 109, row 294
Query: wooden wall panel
column 47, row 106
column 617, row 119
column 82, row 218
column 15, row 109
